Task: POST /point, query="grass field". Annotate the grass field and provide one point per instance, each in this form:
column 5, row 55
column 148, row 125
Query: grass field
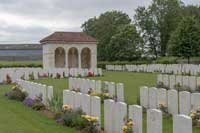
column 21, row 63
column 132, row 82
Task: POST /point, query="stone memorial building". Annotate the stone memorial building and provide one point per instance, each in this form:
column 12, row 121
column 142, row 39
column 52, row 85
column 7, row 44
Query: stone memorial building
column 69, row 50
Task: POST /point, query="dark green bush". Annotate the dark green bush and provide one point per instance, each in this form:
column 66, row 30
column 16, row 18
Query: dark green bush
column 102, row 64
column 166, row 60
column 37, row 104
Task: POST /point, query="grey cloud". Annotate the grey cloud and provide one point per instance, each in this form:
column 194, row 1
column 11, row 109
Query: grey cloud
column 12, row 34
column 72, row 11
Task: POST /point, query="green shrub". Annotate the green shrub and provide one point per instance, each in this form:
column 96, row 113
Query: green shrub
column 17, row 94
column 7, row 64
column 72, row 118
column 55, row 104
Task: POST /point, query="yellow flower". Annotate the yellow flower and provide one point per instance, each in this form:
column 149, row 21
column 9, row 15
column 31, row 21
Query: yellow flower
column 124, row 128
column 66, row 107
column 106, row 94
column 130, row 123
column 162, row 104
column 193, row 114
column 90, row 118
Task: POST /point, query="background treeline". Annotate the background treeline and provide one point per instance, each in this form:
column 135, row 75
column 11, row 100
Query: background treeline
column 164, row 28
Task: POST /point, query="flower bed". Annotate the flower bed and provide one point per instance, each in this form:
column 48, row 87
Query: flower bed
column 65, row 115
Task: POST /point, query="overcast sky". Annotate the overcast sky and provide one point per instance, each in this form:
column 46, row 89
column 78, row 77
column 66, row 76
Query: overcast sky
column 28, row 21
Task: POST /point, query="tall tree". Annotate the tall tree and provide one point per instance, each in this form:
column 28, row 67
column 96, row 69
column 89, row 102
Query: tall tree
column 157, row 22
column 191, row 10
column 185, row 41
column 125, row 45
column 103, row 28
column 148, row 30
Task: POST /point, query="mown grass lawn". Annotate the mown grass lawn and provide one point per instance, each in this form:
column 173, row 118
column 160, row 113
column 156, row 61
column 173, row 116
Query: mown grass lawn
column 16, row 118
column 132, row 83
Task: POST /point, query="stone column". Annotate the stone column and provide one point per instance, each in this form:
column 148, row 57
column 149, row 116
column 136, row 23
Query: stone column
column 66, row 58
column 79, row 58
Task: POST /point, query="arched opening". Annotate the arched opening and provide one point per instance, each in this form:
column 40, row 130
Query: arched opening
column 60, row 57
column 86, row 58
column 73, row 58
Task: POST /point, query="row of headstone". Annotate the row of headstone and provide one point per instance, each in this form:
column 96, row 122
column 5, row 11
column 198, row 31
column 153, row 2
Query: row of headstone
column 191, row 82
column 35, row 90
column 182, row 102
column 86, row 85
column 162, row 68
column 24, row 73
column 75, row 72
column 91, row 105
column 116, row 112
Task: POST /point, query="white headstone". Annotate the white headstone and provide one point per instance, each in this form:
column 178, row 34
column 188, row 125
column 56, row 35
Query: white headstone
column 184, row 103
column 77, row 100
column 182, row 124
column 192, row 83
column 172, row 80
column 120, row 92
column 135, row 114
column 152, row 98
column 159, row 78
column 179, row 80
column 172, row 102
column 144, row 95
column 111, row 89
column 109, row 111
column 98, row 86
column 195, row 101
column 68, row 98
column 96, row 108
column 85, row 103
column 154, row 121
column 120, row 114
column 161, row 97
column 166, row 80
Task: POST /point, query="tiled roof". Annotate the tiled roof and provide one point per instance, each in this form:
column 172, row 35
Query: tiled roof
column 68, row 37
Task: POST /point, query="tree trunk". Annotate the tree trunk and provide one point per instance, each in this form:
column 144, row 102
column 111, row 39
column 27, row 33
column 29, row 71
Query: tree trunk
column 188, row 60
